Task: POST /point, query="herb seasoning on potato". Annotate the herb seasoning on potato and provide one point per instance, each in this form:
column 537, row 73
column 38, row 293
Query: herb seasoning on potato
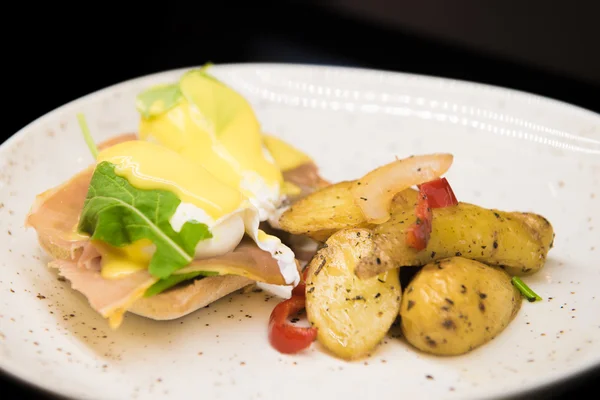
column 351, row 315
column 455, row 305
column 519, row 242
column 464, row 261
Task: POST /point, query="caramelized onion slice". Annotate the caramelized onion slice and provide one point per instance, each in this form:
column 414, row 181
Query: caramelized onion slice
column 374, row 192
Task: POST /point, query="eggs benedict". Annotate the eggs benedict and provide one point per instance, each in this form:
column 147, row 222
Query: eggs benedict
column 171, row 219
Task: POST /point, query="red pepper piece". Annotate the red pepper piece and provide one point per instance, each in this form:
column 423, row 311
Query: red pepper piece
column 433, row 194
column 439, row 193
column 299, row 290
column 285, row 337
column 418, row 234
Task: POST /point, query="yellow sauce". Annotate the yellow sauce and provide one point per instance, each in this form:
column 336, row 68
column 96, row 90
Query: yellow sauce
column 288, row 188
column 215, row 127
column 117, row 262
column 148, row 166
column 262, row 236
column 285, row 155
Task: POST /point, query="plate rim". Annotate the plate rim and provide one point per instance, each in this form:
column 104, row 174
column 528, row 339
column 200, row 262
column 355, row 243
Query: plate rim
column 470, row 85
column 587, row 372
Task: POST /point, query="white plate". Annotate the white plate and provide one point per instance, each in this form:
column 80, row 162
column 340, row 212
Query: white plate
column 512, row 151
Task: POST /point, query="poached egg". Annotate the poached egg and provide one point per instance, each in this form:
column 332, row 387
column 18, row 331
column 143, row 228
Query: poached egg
column 202, row 141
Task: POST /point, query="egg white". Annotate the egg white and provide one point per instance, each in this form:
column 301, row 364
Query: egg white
column 266, row 198
column 228, row 232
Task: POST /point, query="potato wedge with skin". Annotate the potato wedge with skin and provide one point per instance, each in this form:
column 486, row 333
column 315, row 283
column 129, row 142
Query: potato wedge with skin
column 517, row 242
column 455, row 305
column 352, row 315
column 328, row 210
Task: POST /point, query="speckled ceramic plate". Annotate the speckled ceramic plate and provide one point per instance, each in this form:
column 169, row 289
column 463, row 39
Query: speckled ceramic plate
column 512, row 151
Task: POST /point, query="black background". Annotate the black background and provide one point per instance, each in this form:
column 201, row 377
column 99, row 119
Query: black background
column 54, row 55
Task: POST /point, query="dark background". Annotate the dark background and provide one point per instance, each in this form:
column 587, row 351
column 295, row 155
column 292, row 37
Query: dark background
column 53, row 54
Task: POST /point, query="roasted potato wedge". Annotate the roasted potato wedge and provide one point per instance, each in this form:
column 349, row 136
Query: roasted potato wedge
column 323, row 212
column 517, row 242
column 331, row 209
column 455, row 305
column 351, row 315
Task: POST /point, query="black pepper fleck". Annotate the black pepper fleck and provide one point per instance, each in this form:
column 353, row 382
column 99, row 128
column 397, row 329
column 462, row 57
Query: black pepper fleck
column 449, row 324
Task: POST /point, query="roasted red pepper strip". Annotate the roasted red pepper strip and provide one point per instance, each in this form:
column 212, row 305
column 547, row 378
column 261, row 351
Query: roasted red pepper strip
column 285, row 337
column 433, row 194
column 418, row 234
column 439, row 193
column 299, row 290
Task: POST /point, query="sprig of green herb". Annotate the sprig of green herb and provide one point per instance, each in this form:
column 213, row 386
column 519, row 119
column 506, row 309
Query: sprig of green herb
column 525, row 290
column 87, row 135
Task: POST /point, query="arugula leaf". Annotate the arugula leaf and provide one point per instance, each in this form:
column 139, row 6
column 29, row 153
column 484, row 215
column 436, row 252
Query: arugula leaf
column 158, row 99
column 119, row 214
column 173, row 280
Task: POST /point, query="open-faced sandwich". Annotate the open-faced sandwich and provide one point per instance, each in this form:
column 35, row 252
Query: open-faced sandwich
column 170, row 219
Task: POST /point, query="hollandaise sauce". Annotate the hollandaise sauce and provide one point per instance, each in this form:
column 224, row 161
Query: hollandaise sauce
column 286, row 156
column 147, row 165
column 214, row 126
column 118, row 262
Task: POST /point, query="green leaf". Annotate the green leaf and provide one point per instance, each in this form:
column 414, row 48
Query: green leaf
column 119, row 214
column 158, row 99
column 87, row 135
column 173, row 280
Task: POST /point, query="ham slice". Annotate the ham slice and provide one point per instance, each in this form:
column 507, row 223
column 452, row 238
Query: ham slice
column 106, row 296
column 306, row 177
column 55, row 212
column 90, row 257
column 113, row 297
column 245, row 260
